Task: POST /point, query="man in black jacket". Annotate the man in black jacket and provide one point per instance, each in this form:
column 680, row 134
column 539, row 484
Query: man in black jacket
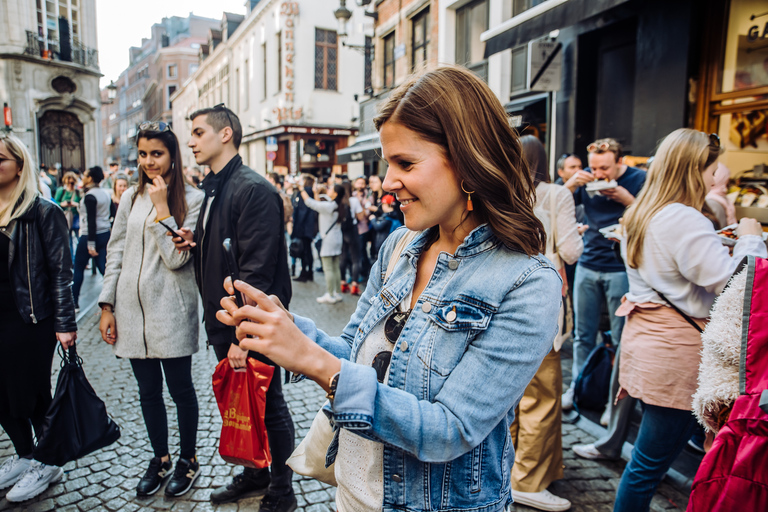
column 245, row 207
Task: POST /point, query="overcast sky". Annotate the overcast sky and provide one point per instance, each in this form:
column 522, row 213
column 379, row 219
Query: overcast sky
column 121, row 25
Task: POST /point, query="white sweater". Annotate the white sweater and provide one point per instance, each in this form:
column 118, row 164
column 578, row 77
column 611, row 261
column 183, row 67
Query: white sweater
column 684, row 259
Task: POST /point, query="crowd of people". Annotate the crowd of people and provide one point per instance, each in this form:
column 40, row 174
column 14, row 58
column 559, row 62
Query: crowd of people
column 496, row 268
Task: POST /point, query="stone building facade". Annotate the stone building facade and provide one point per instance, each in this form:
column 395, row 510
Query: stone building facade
column 49, row 77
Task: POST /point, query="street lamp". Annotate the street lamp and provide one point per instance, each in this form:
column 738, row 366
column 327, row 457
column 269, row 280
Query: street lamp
column 112, row 90
column 342, row 15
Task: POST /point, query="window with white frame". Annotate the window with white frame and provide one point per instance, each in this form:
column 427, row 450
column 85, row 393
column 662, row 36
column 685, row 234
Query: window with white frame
column 471, row 21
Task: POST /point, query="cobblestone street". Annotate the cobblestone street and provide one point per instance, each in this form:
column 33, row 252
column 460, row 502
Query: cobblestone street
column 106, row 480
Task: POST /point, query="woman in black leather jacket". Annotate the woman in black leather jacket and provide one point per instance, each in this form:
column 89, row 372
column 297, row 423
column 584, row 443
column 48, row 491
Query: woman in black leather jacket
column 36, row 310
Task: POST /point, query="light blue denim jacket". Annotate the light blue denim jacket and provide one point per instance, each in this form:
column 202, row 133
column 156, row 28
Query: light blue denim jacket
column 455, row 378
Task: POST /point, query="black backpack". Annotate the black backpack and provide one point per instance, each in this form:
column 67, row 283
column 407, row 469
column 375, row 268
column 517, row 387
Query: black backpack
column 348, row 222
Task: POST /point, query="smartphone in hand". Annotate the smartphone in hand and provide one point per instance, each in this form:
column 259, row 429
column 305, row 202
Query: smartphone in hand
column 232, row 270
column 170, row 230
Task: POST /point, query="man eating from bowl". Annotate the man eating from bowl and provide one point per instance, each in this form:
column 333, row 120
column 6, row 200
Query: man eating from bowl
column 600, row 273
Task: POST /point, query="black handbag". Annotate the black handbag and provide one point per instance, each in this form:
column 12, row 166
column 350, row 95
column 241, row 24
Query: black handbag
column 296, row 248
column 76, row 423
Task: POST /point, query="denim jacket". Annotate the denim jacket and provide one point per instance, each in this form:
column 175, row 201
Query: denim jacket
column 471, row 345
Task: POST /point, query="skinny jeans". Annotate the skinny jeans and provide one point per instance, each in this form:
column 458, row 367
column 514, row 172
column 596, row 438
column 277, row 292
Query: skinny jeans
column 178, row 377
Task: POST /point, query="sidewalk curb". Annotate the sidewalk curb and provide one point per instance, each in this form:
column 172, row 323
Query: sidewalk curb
column 673, row 477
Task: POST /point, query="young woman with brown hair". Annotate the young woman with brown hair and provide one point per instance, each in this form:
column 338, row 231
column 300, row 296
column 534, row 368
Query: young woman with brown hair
column 149, row 302
column 456, row 318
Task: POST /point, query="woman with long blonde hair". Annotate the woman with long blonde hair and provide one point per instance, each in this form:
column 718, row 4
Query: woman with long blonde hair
column 36, row 310
column 676, row 265
column 457, row 315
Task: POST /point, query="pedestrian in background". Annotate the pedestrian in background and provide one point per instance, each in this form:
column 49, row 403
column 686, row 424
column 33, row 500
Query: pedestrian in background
column 674, row 259
column 68, row 197
column 536, row 432
column 455, row 331
column 600, row 276
column 36, row 310
column 350, row 249
column 330, row 217
column 304, row 228
column 149, row 303
column 119, row 185
column 243, row 206
column 94, row 211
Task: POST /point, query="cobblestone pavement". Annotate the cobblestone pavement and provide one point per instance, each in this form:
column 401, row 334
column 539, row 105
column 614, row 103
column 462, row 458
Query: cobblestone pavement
column 106, row 480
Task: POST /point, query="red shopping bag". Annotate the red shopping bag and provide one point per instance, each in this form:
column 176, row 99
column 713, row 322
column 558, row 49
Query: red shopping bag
column 241, row 396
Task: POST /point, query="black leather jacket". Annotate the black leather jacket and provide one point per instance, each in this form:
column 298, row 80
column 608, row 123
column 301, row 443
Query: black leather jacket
column 248, row 210
column 40, row 265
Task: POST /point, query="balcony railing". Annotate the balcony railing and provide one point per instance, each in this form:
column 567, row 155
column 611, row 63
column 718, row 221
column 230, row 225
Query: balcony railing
column 53, row 49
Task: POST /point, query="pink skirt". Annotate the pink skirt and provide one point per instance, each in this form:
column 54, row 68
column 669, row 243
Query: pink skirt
column 660, row 355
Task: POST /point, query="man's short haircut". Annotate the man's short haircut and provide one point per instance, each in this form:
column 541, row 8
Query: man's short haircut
column 96, row 174
column 562, row 159
column 115, row 164
column 601, row 146
column 220, row 117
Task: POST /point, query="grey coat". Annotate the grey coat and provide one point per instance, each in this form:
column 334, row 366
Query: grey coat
column 149, row 283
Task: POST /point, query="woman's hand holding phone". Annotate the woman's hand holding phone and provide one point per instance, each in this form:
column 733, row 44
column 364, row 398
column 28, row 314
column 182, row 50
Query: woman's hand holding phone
column 265, row 327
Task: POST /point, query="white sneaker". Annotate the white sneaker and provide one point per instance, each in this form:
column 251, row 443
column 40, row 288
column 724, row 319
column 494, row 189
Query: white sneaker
column 35, row 480
column 336, row 298
column 605, row 419
column 589, row 451
column 568, row 400
column 543, row 500
column 325, row 299
column 11, row 470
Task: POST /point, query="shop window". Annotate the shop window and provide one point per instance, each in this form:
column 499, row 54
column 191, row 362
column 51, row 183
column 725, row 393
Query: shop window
column 520, row 69
column 471, row 21
column 419, row 39
column 389, row 61
column 326, row 67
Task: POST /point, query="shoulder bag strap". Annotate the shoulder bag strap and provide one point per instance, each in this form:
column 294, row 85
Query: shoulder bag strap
column 398, row 250
column 686, row 317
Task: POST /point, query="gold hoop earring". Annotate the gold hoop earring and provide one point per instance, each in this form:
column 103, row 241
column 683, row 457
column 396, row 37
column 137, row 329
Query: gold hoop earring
column 469, row 196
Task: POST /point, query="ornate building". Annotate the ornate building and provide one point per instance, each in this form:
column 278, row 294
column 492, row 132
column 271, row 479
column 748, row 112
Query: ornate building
column 49, row 77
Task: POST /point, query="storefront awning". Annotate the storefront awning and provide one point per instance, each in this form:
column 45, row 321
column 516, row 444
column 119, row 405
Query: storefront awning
column 364, row 151
column 541, row 20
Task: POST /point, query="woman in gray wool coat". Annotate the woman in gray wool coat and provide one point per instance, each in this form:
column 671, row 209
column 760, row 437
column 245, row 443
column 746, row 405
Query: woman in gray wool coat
column 149, row 302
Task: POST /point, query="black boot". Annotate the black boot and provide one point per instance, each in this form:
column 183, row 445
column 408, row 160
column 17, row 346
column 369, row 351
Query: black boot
column 245, row 485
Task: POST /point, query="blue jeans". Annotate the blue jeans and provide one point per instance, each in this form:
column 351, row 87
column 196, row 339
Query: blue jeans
column 591, row 288
column 663, row 434
column 82, row 257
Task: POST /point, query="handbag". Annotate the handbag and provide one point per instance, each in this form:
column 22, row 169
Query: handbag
column 565, row 315
column 296, row 247
column 76, row 423
column 242, row 399
column 310, row 457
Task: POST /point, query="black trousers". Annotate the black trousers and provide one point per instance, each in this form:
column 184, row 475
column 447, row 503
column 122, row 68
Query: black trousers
column 25, row 377
column 178, row 376
column 350, row 258
column 306, row 256
column 280, row 430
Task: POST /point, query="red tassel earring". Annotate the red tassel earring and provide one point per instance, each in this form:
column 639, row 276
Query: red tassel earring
column 469, row 196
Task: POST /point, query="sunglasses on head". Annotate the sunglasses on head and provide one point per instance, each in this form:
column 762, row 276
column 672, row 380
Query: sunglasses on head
column 155, row 126
column 714, row 140
column 224, row 109
column 603, row 146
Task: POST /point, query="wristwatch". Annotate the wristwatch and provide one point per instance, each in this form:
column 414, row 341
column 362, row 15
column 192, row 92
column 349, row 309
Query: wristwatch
column 332, row 386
